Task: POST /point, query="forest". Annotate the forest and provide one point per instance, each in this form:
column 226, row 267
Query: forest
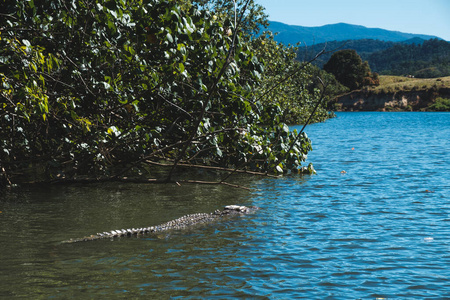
column 142, row 90
column 429, row 59
column 415, row 57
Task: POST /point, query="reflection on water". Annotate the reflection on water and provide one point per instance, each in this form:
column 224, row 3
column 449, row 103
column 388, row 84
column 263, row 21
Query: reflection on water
column 381, row 229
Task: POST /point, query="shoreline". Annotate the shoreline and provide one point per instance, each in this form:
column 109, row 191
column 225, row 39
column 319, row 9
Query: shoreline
column 397, row 96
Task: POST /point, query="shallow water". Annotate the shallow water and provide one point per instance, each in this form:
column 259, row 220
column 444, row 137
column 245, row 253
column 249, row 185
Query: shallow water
column 379, row 229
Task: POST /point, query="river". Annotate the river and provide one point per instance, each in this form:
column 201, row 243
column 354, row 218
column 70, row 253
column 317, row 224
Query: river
column 374, row 222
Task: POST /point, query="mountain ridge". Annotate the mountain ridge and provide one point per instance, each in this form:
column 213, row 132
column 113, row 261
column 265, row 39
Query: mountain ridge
column 292, row 34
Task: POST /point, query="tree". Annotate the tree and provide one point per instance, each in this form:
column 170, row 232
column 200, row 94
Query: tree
column 97, row 90
column 253, row 18
column 287, row 82
column 333, row 88
column 348, row 68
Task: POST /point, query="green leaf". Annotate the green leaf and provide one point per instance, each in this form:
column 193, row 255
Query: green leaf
column 106, row 85
column 279, row 168
column 33, row 66
column 219, row 152
column 169, row 37
column 181, row 67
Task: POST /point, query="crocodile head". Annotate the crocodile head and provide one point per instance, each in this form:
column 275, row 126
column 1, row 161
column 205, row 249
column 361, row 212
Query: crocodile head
column 240, row 209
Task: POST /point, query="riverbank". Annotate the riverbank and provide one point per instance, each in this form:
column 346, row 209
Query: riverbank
column 397, row 93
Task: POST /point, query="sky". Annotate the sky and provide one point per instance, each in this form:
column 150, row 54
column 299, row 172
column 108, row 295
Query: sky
column 430, row 17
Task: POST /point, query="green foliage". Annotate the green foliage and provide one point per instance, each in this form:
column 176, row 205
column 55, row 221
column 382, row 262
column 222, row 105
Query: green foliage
column 441, row 104
column 364, row 48
column 349, row 69
column 286, row 82
column 254, row 17
column 107, row 89
column 417, row 57
column 427, row 60
column 333, row 88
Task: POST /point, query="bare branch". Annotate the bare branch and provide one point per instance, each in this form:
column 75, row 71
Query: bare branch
column 214, row 168
column 173, row 104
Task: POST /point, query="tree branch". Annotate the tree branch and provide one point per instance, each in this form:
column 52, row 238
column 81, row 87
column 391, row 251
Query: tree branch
column 212, row 89
column 213, row 168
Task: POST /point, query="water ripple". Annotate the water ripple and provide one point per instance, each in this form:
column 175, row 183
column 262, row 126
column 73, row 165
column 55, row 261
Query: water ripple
column 379, row 230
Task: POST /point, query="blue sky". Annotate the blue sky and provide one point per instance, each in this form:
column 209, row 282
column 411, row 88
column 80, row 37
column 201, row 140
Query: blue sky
column 411, row 16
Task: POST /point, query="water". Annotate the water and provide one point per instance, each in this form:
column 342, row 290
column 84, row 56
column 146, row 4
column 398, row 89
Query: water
column 378, row 230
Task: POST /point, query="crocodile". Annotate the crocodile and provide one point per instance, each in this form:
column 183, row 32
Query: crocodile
column 183, row 222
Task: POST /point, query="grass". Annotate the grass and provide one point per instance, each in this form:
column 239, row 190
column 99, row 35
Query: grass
column 389, row 84
column 431, row 99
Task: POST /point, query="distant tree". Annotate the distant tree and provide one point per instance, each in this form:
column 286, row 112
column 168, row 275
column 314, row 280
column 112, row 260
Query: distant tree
column 348, row 68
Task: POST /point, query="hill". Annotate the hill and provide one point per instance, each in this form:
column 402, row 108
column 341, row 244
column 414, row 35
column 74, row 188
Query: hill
column 292, row 34
column 417, row 57
column 429, row 59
